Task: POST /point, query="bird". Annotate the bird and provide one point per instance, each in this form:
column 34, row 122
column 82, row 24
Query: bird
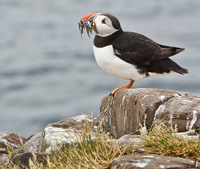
column 128, row 55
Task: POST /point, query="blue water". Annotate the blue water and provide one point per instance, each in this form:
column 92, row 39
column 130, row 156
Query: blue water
column 47, row 73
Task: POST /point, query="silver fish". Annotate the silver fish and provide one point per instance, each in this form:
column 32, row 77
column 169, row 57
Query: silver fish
column 81, row 27
column 88, row 25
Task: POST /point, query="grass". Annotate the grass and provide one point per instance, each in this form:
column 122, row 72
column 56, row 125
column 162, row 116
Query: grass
column 164, row 140
column 89, row 152
column 93, row 150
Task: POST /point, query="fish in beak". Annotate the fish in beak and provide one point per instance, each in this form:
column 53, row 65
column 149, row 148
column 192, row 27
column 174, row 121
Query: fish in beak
column 87, row 22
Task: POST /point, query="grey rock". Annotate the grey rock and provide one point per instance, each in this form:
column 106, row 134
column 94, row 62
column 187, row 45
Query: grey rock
column 151, row 161
column 3, row 160
column 63, row 133
column 76, row 122
column 8, row 140
column 23, row 159
column 56, row 135
column 53, row 137
column 33, row 143
column 3, row 157
column 130, row 109
column 128, row 139
column 29, row 151
column 3, row 151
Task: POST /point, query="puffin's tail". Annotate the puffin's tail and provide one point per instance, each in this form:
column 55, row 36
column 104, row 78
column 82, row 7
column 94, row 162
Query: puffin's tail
column 165, row 66
column 176, row 68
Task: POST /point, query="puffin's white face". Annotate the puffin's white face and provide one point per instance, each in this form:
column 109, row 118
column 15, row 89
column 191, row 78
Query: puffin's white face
column 104, row 26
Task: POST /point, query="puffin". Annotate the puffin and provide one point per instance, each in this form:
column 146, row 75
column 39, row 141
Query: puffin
column 128, row 55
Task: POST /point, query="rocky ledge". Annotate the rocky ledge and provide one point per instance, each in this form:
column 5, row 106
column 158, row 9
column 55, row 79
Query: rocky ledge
column 129, row 109
column 122, row 115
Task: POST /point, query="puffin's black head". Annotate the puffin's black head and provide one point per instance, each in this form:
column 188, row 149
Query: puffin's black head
column 103, row 24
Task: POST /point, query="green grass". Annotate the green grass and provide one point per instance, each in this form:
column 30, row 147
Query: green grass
column 93, row 150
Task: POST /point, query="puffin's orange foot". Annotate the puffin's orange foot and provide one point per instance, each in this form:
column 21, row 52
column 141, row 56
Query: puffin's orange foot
column 126, row 86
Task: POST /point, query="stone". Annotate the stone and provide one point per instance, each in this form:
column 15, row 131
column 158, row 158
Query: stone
column 8, row 140
column 76, row 122
column 23, row 159
column 58, row 134
column 130, row 109
column 129, row 139
column 64, row 132
column 3, row 157
column 54, row 136
column 33, row 143
column 135, row 141
column 151, row 161
column 29, row 151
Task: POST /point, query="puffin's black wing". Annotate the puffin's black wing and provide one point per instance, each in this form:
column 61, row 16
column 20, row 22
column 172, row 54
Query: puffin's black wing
column 136, row 48
column 142, row 52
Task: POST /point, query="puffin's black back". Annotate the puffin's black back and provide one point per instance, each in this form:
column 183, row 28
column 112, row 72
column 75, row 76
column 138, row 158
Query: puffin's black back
column 142, row 52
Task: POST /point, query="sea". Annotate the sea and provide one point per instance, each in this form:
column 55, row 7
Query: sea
column 48, row 73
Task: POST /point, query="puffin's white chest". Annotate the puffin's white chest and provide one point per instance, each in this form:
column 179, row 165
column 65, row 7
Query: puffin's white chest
column 112, row 64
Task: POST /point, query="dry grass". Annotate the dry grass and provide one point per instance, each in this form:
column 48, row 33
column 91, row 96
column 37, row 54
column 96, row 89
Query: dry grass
column 87, row 152
column 90, row 152
column 164, row 140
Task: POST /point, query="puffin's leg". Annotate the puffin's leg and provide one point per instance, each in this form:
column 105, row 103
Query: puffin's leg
column 126, row 86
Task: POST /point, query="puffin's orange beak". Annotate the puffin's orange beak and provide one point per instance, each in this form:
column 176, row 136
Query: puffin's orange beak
column 86, row 17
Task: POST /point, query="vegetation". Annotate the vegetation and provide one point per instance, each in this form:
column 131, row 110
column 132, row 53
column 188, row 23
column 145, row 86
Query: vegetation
column 164, row 140
column 93, row 150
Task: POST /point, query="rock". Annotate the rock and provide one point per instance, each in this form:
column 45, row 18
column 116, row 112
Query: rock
column 29, row 151
column 3, row 157
column 23, row 159
column 67, row 131
column 55, row 138
column 129, row 109
column 151, row 161
column 33, row 143
column 76, row 122
column 62, row 133
column 8, row 140
column 130, row 140
column 56, row 135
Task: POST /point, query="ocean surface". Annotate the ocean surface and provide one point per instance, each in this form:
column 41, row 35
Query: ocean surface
column 47, row 73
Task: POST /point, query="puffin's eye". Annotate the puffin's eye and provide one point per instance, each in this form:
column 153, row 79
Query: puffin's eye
column 103, row 21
